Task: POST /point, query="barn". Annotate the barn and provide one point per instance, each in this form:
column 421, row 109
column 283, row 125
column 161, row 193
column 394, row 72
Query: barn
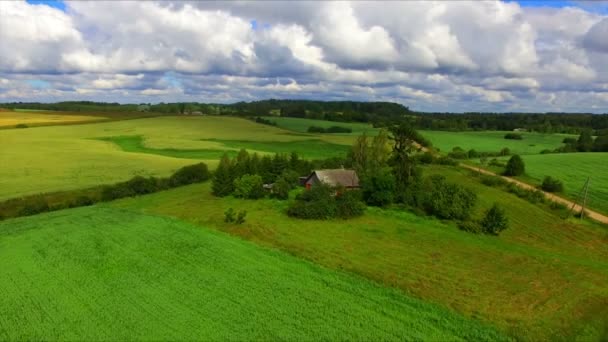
column 334, row 178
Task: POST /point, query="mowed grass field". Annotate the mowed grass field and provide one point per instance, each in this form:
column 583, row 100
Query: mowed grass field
column 99, row 273
column 34, row 118
column 53, row 158
column 494, row 141
column 542, row 279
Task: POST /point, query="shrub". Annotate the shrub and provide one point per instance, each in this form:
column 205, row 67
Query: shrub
column 458, row 153
column 240, row 218
column 551, row 184
column 249, row 186
column 473, row 154
column 515, row 166
column 426, row 158
column 493, row 181
column 557, row 206
column 505, row 151
column 447, row 200
column 21, row 125
column 496, row 162
column 35, row 205
column 112, row 192
column 316, row 129
column 447, row 161
column 546, row 151
column 291, row 177
column 190, row 174
column 348, row 204
column 338, row 129
column 281, row 188
column 379, row 189
column 495, row 220
column 513, row 136
column 569, row 141
column 316, row 203
column 229, row 215
column 139, row 185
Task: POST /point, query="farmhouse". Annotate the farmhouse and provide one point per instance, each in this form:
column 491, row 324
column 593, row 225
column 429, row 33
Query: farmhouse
column 334, row 178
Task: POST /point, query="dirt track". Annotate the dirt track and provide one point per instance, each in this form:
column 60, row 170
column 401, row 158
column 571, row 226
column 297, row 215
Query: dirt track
column 589, row 213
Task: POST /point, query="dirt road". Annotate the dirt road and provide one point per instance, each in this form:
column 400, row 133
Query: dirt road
column 589, row 213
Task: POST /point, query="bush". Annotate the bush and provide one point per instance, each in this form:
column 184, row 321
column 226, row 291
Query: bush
column 496, row 162
column 280, row 189
column 240, row 218
column 495, row 220
column 447, row 161
column 458, row 153
column 426, row 158
column 21, row 125
column 316, row 203
column 112, row 192
column 513, row 136
column 551, row 184
column 190, row 174
column 139, row 185
column 557, row 206
column 348, row 204
column 338, row 129
column 249, row 186
column 316, row 129
column 515, row 166
column 35, row 205
column 379, row 189
column 447, row 200
column 493, row 181
column 569, row 141
column 229, row 215
column 473, row 154
column 546, row 151
column 505, row 151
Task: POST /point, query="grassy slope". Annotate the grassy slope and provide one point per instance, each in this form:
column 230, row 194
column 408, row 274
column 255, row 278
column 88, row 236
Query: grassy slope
column 98, row 273
column 45, row 159
column 525, row 281
column 493, row 141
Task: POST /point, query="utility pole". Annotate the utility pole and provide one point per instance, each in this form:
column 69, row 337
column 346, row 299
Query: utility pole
column 582, row 194
column 585, row 198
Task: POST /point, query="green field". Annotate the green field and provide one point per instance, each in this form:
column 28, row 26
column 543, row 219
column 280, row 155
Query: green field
column 302, row 125
column 41, row 117
column 99, row 273
column 525, row 282
column 46, row 159
column 573, row 169
column 494, row 141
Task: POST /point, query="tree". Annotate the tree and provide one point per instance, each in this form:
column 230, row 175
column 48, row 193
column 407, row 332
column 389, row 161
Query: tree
column 280, row 189
column 447, row 200
column 359, row 154
column 551, row 184
column 190, row 174
column 380, row 152
column 495, row 220
column 379, row 188
column 348, row 204
column 601, row 144
column 585, row 141
column 223, row 179
column 515, row 166
column 404, row 166
column 249, row 187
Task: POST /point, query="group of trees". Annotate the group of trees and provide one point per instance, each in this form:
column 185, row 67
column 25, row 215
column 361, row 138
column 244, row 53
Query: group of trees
column 245, row 175
column 586, row 143
column 332, row 129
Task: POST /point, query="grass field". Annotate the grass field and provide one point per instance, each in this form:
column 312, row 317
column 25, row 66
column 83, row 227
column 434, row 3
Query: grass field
column 494, row 141
column 302, row 125
column 34, row 118
column 525, row 281
column 98, row 273
column 573, row 169
column 45, row 159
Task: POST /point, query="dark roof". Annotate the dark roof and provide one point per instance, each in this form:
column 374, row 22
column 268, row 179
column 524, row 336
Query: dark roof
column 337, row 177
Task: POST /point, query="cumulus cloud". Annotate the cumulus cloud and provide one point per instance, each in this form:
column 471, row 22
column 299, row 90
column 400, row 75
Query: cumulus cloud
column 453, row 55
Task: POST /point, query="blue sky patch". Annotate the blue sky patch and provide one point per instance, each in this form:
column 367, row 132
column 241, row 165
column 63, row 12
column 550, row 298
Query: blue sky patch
column 38, row 84
column 51, row 3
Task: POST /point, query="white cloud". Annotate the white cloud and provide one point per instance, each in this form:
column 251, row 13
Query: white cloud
column 453, row 55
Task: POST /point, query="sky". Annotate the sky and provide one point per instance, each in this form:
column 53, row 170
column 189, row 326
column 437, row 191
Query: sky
column 457, row 56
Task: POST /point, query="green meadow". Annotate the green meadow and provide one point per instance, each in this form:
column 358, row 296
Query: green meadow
column 524, row 281
column 46, row 159
column 99, row 273
column 494, row 141
column 573, row 169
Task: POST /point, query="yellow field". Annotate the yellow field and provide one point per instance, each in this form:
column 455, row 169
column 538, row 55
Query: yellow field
column 11, row 119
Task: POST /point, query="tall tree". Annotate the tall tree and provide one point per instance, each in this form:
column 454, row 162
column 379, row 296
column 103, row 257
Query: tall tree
column 359, row 154
column 404, row 166
column 585, row 141
column 223, row 179
column 379, row 152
